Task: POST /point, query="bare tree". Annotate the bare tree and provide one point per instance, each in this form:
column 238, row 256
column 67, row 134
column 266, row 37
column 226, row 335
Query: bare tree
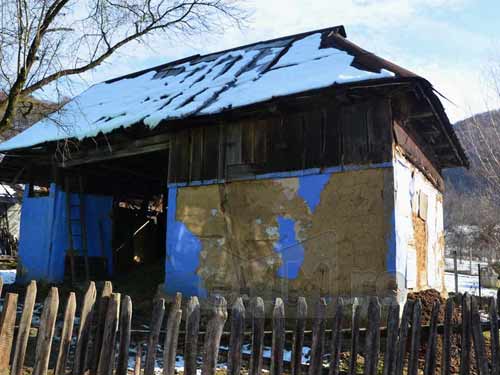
column 44, row 42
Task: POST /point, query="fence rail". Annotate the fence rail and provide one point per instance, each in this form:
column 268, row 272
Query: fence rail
column 98, row 340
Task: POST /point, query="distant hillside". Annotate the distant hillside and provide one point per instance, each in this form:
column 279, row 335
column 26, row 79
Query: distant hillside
column 473, row 196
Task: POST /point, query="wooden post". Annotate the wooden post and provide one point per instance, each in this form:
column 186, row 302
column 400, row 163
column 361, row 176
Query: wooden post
column 125, row 327
column 495, row 355
column 372, row 342
column 1, row 285
column 318, row 339
column 154, row 335
column 477, row 335
column 138, row 359
column 84, row 330
column 258, row 318
column 430, row 355
column 336, row 338
column 172, row 336
column 354, row 337
column 415, row 338
column 278, row 342
column 403, row 337
column 466, row 335
column 191, row 339
column 66, row 334
column 298, row 336
column 236, row 340
column 46, row 333
column 99, row 322
column 107, row 357
column 390, row 354
column 479, row 282
column 24, row 330
column 455, row 270
column 7, row 322
column 214, row 332
column 448, row 322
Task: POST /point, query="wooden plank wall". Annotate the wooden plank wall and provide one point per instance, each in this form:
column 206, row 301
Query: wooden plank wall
column 328, row 136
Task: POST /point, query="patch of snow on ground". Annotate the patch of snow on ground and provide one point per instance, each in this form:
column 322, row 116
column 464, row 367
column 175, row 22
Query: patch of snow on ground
column 8, row 276
column 467, row 283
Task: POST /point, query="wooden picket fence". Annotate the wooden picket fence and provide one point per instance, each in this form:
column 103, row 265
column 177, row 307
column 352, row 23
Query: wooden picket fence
column 391, row 345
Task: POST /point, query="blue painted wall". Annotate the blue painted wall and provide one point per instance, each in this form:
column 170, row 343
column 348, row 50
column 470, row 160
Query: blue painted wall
column 43, row 238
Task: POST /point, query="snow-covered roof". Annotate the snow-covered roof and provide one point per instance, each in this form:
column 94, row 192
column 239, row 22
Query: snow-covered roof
column 205, row 85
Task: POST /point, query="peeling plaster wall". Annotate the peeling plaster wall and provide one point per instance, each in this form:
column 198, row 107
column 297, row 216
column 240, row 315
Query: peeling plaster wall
column 331, row 233
column 414, row 233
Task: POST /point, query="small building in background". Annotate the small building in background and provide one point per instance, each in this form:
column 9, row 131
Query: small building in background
column 301, row 165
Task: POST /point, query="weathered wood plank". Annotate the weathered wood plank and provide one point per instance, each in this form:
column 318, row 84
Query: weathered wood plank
column 465, row 336
column 236, row 340
column 403, row 337
column 430, row 355
column 318, row 338
column 278, row 343
column 258, row 319
column 107, row 357
column 138, row 359
column 172, row 336
column 215, row 327
column 154, row 335
column 46, row 333
column 298, row 336
column 99, row 322
column 24, row 330
column 356, row 309
column 336, row 338
column 390, row 353
column 495, row 348
column 66, row 334
column 84, row 329
column 125, row 327
column 448, row 327
column 7, row 322
column 191, row 338
column 415, row 338
column 478, row 338
column 372, row 341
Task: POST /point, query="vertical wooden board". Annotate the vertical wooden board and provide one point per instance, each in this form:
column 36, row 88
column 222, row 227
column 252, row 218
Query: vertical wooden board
column 7, row 323
column 154, row 335
column 107, row 356
column 293, row 135
column 336, row 344
column 260, row 142
column 390, row 354
column 332, row 140
column 318, row 338
column 465, row 339
column 372, row 340
column 353, row 357
column 430, row 355
column 236, row 339
column 478, row 339
column 278, row 341
column 179, row 157
column 66, row 334
column 211, row 155
column 138, row 359
column 448, row 327
column 1, row 285
column 46, row 333
column 495, row 347
column 172, row 335
column 276, row 145
column 100, row 322
column 313, row 134
column 379, row 126
column 298, row 336
column 125, row 327
column 247, row 142
column 197, row 154
column 213, row 335
column 415, row 338
column 354, row 134
column 191, row 338
column 403, row 336
column 233, row 143
column 258, row 320
column 86, row 317
column 24, row 330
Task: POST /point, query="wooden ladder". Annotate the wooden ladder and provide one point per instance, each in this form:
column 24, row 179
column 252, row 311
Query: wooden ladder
column 77, row 228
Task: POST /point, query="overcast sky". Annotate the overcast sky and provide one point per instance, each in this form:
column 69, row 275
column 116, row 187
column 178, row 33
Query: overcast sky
column 453, row 43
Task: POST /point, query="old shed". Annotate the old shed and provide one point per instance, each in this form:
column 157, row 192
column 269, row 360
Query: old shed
column 303, row 164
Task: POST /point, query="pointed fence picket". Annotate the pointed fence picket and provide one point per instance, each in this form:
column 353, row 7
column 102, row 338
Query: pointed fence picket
column 391, row 344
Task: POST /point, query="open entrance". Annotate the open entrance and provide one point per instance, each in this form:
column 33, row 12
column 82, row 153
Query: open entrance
column 136, row 189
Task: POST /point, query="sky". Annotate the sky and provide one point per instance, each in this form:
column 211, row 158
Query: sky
column 453, row 43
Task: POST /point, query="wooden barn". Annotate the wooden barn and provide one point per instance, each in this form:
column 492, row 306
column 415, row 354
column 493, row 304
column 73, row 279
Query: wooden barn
column 303, row 164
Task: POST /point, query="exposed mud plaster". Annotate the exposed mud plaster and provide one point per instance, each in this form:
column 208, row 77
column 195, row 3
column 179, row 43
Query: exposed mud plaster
column 420, row 239
column 265, row 236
